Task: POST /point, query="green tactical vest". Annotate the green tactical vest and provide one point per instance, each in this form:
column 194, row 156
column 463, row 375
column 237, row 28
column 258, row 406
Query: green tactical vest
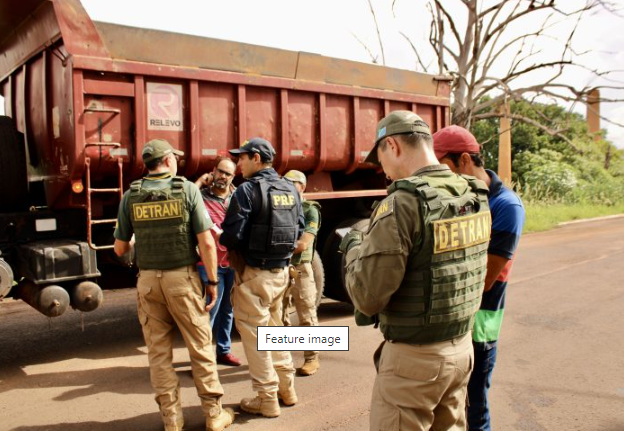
column 308, row 254
column 161, row 223
column 445, row 272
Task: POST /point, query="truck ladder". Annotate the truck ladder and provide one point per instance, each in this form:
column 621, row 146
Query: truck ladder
column 90, row 221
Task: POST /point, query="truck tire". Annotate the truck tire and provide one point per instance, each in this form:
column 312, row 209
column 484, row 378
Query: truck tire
column 319, row 277
column 335, row 261
column 13, row 176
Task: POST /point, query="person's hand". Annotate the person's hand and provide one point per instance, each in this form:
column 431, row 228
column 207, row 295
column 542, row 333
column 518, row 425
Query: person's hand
column 351, row 239
column 211, row 290
column 205, row 180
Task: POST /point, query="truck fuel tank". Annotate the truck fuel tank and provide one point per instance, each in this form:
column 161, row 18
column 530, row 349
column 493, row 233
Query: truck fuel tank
column 86, row 296
column 51, row 300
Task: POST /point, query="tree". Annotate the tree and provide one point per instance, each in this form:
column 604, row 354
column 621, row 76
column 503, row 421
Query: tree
column 546, row 167
column 532, row 133
column 493, row 48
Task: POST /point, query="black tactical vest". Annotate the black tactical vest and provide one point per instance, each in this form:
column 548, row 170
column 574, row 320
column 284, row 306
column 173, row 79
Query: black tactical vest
column 275, row 228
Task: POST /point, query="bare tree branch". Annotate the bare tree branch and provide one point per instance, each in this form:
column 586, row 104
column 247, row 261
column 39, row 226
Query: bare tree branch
column 370, row 53
column 499, row 46
column 418, row 58
column 527, row 120
column 383, row 55
column 450, row 20
column 440, row 42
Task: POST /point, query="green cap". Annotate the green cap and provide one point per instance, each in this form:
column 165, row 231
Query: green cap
column 396, row 123
column 296, row 176
column 158, row 148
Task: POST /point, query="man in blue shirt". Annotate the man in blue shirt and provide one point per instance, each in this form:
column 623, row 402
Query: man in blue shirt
column 261, row 228
column 459, row 149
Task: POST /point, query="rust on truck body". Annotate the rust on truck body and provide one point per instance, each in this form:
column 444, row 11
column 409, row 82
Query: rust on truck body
column 87, row 95
column 81, row 89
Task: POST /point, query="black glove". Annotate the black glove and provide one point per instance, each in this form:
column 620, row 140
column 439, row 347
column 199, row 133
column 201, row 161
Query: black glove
column 364, row 320
column 351, row 239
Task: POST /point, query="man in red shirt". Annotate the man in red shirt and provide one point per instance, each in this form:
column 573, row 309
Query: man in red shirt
column 216, row 189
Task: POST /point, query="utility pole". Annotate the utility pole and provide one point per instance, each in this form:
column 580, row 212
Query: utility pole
column 504, row 145
column 593, row 113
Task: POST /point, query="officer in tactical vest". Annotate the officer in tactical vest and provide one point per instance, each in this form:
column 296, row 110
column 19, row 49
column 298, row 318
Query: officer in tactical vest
column 167, row 216
column 303, row 291
column 260, row 230
column 419, row 272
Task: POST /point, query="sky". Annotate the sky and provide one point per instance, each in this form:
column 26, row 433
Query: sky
column 341, row 28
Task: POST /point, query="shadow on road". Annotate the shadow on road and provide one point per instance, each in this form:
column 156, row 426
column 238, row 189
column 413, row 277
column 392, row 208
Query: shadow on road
column 332, row 310
column 193, row 421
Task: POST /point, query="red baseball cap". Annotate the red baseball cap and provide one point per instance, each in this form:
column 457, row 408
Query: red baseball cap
column 454, row 139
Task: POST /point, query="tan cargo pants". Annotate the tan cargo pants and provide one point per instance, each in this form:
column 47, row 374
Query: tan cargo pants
column 303, row 294
column 166, row 299
column 422, row 387
column 257, row 300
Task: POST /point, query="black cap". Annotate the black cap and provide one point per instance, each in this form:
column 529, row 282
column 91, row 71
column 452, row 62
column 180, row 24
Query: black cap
column 256, row 145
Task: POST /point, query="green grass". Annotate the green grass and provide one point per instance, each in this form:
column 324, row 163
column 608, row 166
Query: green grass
column 540, row 217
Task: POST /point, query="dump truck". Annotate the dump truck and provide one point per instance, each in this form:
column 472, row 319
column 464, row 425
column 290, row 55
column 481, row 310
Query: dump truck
column 82, row 97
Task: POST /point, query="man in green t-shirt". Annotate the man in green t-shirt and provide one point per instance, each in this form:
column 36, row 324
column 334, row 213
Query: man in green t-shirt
column 303, row 291
column 164, row 217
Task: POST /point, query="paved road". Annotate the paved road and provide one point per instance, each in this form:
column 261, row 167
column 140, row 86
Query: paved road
column 560, row 363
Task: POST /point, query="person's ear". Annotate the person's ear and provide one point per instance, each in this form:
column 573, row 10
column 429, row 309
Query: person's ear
column 395, row 146
column 465, row 160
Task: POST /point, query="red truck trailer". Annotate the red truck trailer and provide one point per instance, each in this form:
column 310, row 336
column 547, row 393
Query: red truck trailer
column 82, row 97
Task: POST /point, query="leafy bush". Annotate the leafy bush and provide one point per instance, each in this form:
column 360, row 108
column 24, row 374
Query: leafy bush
column 549, row 170
column 553, row 180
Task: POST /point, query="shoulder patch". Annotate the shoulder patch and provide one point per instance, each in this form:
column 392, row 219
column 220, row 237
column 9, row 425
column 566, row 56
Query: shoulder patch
column 385, row 208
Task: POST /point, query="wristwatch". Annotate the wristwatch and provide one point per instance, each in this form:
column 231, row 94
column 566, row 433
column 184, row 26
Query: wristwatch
column 211, row 283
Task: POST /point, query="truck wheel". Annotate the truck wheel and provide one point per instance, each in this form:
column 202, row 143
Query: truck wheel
column 335, row 261
column 13, row 176
column 319, row 277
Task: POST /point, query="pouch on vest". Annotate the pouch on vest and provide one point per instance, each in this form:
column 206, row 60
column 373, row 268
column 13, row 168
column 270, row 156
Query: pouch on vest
column 276, row 229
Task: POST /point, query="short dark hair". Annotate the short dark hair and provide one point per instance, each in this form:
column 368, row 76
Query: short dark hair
column 153, row 164
column 263, row 160
column 410, row 139
column 477, row 159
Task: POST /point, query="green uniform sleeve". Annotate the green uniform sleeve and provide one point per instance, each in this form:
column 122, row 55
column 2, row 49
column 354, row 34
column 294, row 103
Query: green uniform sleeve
column 200, row 219
column 312, row 220
column 375, row 268
column 123, row 230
